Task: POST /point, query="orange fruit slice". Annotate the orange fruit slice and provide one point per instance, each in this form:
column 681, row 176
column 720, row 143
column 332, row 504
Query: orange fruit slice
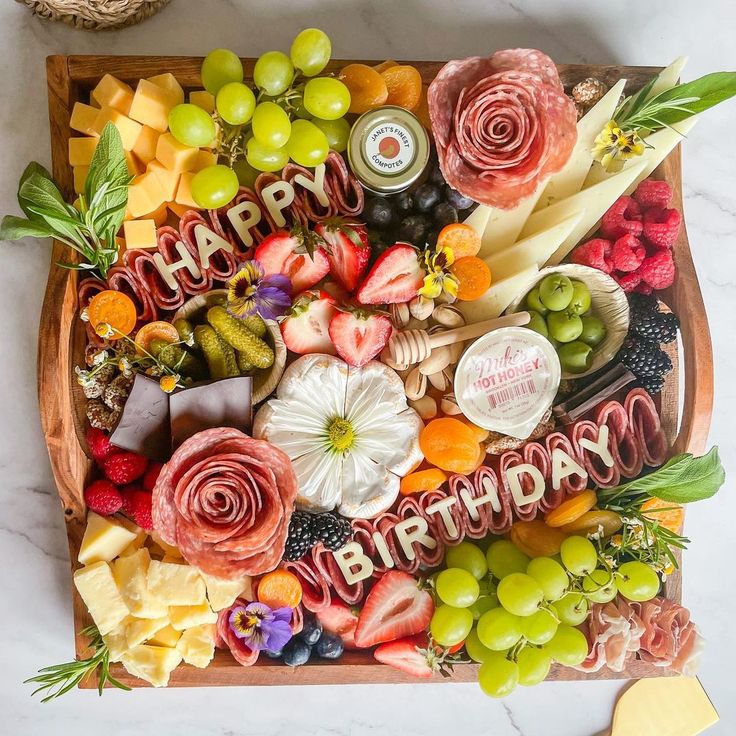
column 461, row 238
column 115, row 309
column 367, row 87
column 151, row 331
column 473, row 276
column 669, row 515
column 404, row 84
column 422, row 480
column 385, row 65
column 572, row 509
column 280, row 588
column 536, row 539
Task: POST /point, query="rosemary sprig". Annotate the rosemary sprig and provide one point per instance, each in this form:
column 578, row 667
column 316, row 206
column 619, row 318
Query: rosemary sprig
column 61, row 678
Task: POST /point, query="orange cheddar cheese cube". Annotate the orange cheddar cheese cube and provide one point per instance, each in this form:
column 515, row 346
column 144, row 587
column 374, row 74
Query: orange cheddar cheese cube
column 120, row 243
column 204, row 99
column 145, row 146
column 129, row 129
column 174, row 155
column 184, row 191
column 140, row 233
column 135, row 166
column 83, row 119
column 178, row 209
column 111, row 92
column 80, row 177
column 168, row 82
column 168, row 179
column 81, row 150
column 160, row 215
column 152, row 104
column 144, row 196
column 204, row 159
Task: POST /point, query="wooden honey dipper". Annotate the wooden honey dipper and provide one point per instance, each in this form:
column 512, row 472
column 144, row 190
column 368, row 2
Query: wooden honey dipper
column 413, row 346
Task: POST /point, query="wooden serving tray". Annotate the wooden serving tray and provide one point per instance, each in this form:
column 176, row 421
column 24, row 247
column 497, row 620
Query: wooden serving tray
column 62, row 339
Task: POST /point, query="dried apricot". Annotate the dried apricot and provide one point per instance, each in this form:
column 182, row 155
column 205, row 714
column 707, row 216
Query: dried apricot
column 669, row 515
column 473, row 276
column 280, row 588
column 480, row 434
column 151, row 331
column 404, row 84
column 115, row 309
column 422, row 480
column 591, row 521
column 385, row 65
column 367, row 87
column 462, row 239
column 449, row 444
column 422, row 109
column 571, row 509
column 536, row 539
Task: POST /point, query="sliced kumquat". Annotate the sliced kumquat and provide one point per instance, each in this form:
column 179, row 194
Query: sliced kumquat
column 115, row 309
column 536, row 539
column 571, row 509
column 422, row 480
column 609, row 522
column 385, row 65
column 280, row 588
column 422, row 109
column 473, row 277
column 669, row 515
column 367, row 87
column 462, row 239
column 404, row 84
column 151, row 331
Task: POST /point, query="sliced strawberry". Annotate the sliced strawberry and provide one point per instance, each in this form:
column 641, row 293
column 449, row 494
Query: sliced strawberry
column 408, row 655
column 396, row 607
column 348, row 251
column 306, row 328
column 287, row 253
column 359, row 336
column 395, row 277
column 340, row 619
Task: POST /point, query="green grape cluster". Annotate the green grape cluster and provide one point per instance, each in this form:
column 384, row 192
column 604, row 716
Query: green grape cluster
column 517, row 615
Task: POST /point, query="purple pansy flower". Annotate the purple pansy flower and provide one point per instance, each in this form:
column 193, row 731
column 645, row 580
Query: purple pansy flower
column 262, row 627
column 250, row 291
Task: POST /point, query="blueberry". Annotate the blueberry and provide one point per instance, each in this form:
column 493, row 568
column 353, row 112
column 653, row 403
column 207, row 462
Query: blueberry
column 457, row 200
column 435, row 174
column 311, row 631
column 330, row 646
column 296, row 653
column 403, row 202
column 275, row 654
column 443, row 214
column 378, row 213
column 413, row 229
column 426, row 197
column 432, row 236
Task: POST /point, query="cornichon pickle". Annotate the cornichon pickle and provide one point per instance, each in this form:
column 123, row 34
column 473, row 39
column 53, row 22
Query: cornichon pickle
column 178, row 359
column 185, row 330
column 244, row 364
column 219, row 355
column 235, row 333
column 255, row 323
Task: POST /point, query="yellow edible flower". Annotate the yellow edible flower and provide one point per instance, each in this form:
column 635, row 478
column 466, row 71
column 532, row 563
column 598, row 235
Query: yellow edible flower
column 613, row 146
column 438, row 278
column 169, row 383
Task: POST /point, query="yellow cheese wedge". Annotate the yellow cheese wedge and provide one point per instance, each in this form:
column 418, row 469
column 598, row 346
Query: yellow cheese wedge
column 184, row 191
column 145, row 146
column 184, row 617
column 83, row 119
column 197, row 645
column 504, row 226
column 80, row 177
column 168, row 179
column 168, row 82
column 174, row 155
column 176, row 585
column 166, row 637
column 131, row 577
column 141, row 629
column 167, row 549
column 204, row 159
column 151, row 105
column 478, row 219
column 111, row 92
column 221, row 593
column 668, row 77
column 152, row 664
column 81, row 150
column 202, row 98
column 497, row 298
column 140, row 233
column 96, row 586
column 129, row 129
column 117, row 640
column 104, row 539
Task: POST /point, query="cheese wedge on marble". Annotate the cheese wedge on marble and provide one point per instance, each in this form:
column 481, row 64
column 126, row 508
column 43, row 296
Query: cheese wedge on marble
column 497, row 298
column 104, row 539
column 503, row 226
column 197, row 645
column 96, row 586
column 152, row 664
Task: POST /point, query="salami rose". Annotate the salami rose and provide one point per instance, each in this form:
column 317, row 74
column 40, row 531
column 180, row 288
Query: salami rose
column 501, row 124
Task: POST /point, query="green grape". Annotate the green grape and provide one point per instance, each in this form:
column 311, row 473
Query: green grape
column 540, row 627
column 326, row 98
column 485, row 584
column 520, row 594
column 505, row 557
column 568, row 646
column 310, row 51
column 301, row 112
column 498, row 629
column 191, row 125
column 483, row 604
column 571, row 609
column 214, row 186
column 579, row 555
column 307, row 144
column 273, row 72
column 637, row 581
column 498, row 676
column 450, row 626
column 465, row 555
column 264, row 158
column 533, row 665
column 550, row 575
column 338, row 133
column 457, row 587
column 246, row 174
column 476, row 650
column 271, row 125
column 235, row 102
column 220, row 67
column 600, row 586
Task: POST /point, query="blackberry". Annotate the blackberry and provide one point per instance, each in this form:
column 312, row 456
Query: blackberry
column 651, row 384
column 300, row 538
column 654, row 326
column 644, row 358
column 332, row 530
column 643, row 304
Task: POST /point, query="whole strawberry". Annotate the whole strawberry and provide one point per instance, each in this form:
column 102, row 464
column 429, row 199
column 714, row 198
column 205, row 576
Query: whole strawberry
column 103, row 497
column 151, row 476
column 99, row 445
column 137, row 505
column 123, row 468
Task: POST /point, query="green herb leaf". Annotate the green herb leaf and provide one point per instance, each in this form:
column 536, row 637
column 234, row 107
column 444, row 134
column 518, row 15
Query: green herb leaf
column 13, row 228
column 706, row 92
column 107, row 170
column 633, row 102
column 33, row 169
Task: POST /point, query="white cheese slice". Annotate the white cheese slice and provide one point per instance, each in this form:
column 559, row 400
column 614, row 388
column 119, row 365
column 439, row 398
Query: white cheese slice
column 504, row 226
column 184, row 617
column 96, row 586
column 197, row 645
column 478, row 218
column 592, row 202
column 131, row 577
column 152, row 664
column 570, row 179
column 104, row 538
column 497, row 298
column 176, row 585
column 535, row 250
column 668, row 77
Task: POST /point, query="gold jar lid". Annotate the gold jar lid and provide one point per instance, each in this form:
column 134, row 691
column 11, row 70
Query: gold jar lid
column 388, row 149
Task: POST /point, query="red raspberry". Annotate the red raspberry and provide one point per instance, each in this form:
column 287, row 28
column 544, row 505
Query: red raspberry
column 137, row 505
column 127, row 495
column 124, row 467
column 99, row 445
column 623, row 217
column 595, row 253
column 627, row 254
column 653, row 193
column 103, row 497
column 658, row 270
column 661, row 226
column 629, row 281
column 644, row 288
column 151, row 476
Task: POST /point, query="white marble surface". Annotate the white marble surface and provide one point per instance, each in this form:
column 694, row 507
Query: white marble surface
column 36, row 613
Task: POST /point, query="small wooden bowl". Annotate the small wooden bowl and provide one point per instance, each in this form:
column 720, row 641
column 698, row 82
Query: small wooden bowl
column 264, row 382
column 608, row 302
